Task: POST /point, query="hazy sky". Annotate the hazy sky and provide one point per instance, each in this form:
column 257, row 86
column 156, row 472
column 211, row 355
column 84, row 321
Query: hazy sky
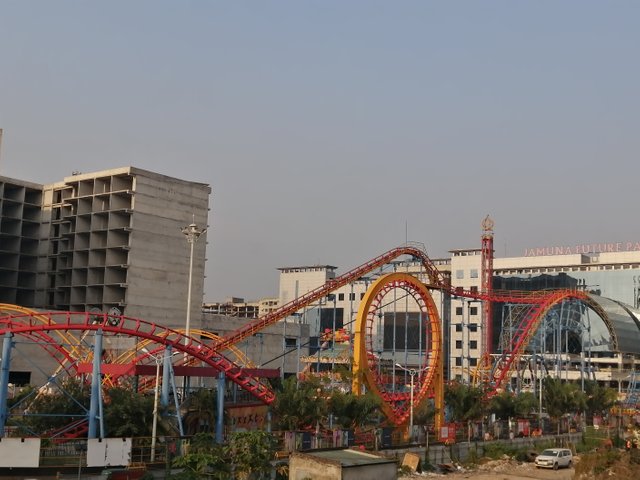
column 325, row 128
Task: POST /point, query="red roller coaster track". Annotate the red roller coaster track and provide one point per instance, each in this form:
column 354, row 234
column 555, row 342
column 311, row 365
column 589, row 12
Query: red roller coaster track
column 28, row 324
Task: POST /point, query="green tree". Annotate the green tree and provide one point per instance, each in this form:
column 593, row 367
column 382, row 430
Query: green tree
column 526, row 403
column 508, row 405
column 204, row 458
column 200, row 415
column 560, row 398
column 22, row 395
column 466, row 402
column 598, row 399
column 127, row 413
column 352, row 411
column 251, row 453
column 299, row 406
column 503, row 405
column 424, row 414
column 66, row 402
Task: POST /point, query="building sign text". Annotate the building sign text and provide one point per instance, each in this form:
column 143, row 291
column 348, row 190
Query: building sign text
column 584, row 249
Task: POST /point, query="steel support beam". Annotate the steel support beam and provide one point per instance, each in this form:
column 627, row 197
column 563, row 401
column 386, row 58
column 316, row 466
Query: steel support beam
column 7, row 344
column 96, row 396
column 220, row 416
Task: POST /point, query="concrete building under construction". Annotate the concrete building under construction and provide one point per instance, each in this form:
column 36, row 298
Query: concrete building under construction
column 107, row 241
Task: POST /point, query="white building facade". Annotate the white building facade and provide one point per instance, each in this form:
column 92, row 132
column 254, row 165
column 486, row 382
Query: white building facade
column 605, row 274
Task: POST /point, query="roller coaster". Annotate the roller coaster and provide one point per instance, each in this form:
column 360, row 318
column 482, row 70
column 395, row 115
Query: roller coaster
column 71, row 338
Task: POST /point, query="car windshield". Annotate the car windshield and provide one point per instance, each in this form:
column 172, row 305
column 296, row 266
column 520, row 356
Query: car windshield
column 550, row 453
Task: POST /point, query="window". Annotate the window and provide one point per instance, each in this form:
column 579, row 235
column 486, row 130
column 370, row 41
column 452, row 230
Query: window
column 473, row 327
column 474, row 289
column 458, row 344
column 290, row 342
column 458, row 361
column 458, row 310
column 459, row 274
column 473, row 310
column 473, row 344
column 458, row 327
column 341, row 297
column 20, row 379
column 361, row 295
column 473, row 362
column 474, row 273
column 352, row 296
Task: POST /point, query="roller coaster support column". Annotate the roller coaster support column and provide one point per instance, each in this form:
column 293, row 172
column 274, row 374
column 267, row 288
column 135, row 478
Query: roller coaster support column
column 168, row 386
column 176, row 402
column 438, row 395
column 154, row 427
column 96, row 396
column 167, row 373
column 220, row 417
column 4, row 379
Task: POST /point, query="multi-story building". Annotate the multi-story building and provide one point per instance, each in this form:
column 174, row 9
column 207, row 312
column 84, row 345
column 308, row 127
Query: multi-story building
column 610, row 273
column 238, row 307
column 108, row 241
column 278, row 346
column 21, row 252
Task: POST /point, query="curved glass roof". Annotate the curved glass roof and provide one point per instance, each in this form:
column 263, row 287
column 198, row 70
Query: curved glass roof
column 625, row 322
column 600, row 325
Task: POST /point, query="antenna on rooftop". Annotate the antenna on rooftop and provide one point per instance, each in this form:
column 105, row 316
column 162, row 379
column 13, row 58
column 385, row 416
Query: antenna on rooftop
column 406, row 232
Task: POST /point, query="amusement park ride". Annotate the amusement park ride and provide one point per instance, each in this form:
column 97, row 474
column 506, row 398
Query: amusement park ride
column 71, row 338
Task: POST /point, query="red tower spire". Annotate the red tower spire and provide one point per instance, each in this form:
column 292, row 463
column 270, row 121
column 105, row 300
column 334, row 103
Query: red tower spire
column 487, row 285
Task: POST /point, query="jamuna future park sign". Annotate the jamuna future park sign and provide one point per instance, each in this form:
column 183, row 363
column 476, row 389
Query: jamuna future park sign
column 584, row 249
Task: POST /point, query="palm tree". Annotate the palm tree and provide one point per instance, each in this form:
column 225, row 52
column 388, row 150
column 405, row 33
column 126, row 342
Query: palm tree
column 508, row 405
column 561, row 398
column 300, row 406
column 467, row 403
column 352, row 411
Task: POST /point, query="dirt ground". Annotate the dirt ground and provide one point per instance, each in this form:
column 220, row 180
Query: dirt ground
column 499, row 470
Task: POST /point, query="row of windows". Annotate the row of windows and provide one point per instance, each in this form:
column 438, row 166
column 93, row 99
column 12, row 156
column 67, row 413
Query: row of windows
column 472, row 311
column 473, row 344
column 581, row 268
column 473, row 327
column 472, row 362
column 352, row 297
column 473, row 273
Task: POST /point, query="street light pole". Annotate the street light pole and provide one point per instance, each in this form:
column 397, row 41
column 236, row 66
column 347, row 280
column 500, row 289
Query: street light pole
column 192, row 233
column 412, row 373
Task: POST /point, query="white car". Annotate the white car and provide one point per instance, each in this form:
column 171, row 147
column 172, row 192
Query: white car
column 555, row 458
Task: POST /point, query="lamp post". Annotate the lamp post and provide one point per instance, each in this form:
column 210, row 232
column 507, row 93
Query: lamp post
column 192, row 233
column 412, row 373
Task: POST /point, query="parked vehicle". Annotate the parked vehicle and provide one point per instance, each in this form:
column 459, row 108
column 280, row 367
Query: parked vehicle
column 555, row 458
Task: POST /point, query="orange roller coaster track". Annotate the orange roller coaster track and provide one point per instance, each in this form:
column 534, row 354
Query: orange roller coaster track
column 38, row 325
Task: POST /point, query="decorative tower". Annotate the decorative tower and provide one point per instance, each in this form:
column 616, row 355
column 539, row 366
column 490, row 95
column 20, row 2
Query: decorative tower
column 487, row 285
